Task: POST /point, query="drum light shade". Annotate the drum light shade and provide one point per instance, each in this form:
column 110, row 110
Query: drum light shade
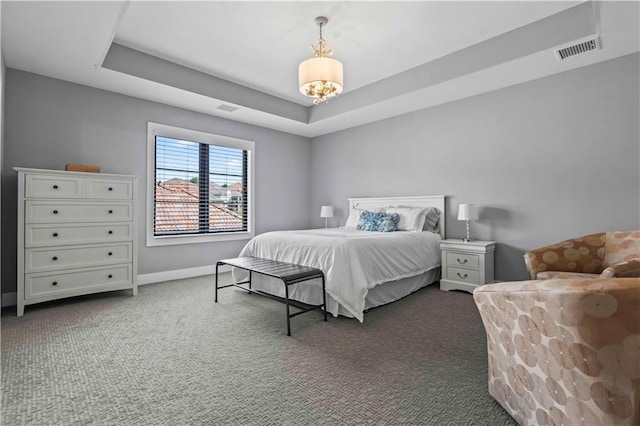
column 320, row 75
column 467, row 212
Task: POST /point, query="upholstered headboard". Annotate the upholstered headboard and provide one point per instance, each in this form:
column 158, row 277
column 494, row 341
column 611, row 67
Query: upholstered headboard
column 414, row 201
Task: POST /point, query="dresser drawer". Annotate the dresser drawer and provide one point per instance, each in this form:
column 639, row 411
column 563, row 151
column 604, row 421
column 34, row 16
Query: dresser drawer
column 60, row 211
column 108, row 189
column 65, row 257
column 461, row 274
column 52, row 235
column 53, row 186
column 76, row 281
column 471, row 261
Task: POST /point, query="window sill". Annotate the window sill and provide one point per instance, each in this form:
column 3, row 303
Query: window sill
column 170, row 240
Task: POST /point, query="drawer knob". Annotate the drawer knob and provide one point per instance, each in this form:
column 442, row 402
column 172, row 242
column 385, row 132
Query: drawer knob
column 55, row 186
column 110, row 211
column 110, row 276
column 110, row 254
column 55, row 234
column 110, row 189
column 54, row 283
column 462, row 261
column 462, row 275
column 54, row 258
column 55, row 212
column 110, row 232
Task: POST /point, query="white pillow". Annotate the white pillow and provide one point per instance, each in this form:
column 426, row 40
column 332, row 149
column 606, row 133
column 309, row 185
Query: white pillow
column 411, row 218
column 354, row 216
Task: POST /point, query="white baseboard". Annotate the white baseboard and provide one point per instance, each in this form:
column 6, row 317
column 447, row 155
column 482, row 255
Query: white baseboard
column 11, row 299
column 178, row 274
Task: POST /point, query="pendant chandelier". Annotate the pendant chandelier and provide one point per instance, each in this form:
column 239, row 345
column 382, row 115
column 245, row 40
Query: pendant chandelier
column 320, row 77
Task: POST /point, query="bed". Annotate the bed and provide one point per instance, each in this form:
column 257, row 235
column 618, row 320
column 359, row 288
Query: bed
column 363, row 269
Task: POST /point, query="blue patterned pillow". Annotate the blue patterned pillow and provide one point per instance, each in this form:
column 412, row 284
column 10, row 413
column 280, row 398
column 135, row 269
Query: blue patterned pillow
column 368, row 221
column 388, row 222
column 378, row 221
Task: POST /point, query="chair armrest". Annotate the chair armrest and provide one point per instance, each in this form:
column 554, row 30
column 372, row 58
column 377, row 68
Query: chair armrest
column 628, row 268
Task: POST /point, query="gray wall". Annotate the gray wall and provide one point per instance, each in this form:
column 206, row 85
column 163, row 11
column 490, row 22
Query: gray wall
column 50, row 123
column 545, row 160
column 2, row 73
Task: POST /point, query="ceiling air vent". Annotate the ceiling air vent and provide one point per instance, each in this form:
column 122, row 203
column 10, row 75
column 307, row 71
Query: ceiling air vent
column 227, row 108
column 578, row 48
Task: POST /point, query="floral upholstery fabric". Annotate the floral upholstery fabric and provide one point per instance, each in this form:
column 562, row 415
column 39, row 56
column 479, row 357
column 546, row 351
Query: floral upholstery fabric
column 378, row 221
column 564, row 351
column 620, row 247
column 590, row 254
column 550, row 275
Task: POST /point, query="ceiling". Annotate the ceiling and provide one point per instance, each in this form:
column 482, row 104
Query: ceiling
column 398, row 56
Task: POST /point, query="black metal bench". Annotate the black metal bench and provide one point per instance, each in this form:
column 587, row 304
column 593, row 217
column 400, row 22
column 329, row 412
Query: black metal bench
column 289, row 273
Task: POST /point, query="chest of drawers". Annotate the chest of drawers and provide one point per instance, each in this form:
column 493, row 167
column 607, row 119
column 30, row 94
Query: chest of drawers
column 466, row 265
column 76, row 234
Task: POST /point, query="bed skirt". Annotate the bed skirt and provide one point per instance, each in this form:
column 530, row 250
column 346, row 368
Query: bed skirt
column 310, row 292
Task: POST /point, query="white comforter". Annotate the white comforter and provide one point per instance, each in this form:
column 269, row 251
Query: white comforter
column 353, row 261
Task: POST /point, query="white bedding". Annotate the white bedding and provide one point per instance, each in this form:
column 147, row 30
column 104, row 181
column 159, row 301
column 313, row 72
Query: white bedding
column 353, row 261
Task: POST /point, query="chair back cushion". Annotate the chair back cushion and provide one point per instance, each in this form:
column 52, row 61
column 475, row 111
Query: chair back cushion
column 582, row 255
column 620, row 247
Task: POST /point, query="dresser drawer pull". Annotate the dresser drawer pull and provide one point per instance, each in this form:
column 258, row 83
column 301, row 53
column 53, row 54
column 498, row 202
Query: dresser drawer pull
column 462, row 262
column 110, row 189
column 110, row 232
column 55, row 212
column 55, row 186
column 110, row 276
column 54, row 258
column 462, row 275
column 55, row 234
column 54, row 283
column 110, row 211
column 110, row 254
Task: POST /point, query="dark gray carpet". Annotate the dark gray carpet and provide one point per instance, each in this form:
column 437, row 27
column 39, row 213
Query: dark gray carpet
column 170, row 356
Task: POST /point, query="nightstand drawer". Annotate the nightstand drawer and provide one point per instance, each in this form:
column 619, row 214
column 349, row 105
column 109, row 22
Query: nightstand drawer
column 471, row 261
column 460, row 274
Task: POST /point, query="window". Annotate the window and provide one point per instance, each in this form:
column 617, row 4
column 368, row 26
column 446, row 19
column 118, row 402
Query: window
column 200, row 186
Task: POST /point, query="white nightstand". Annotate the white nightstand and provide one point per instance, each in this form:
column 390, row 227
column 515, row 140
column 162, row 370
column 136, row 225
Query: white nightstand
column 466, row 265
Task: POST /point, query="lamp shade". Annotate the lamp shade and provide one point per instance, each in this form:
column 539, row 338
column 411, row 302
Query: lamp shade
column 467, row 212
column 326, row 211
column 320, row 71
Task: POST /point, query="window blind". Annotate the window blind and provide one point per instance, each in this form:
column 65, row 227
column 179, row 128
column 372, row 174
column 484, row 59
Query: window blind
column 199, row 188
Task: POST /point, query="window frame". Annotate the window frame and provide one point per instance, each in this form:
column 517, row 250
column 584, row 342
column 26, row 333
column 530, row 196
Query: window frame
column 156, row 129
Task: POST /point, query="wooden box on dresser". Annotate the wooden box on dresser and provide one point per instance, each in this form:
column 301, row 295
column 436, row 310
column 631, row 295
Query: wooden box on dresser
column 76, row 234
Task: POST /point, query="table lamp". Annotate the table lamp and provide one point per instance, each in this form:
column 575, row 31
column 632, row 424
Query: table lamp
column 326, row 212
column 467, row 212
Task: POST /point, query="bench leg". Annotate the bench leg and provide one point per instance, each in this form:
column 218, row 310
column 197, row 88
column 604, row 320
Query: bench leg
column 216, row 299
column 324, row 299
column 286, row 292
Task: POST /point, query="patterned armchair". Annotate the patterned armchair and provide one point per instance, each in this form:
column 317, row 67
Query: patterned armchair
column 601, row 255
column 564, row 351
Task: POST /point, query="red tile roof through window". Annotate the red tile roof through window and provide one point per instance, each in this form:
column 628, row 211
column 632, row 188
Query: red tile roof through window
column 177, row 209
